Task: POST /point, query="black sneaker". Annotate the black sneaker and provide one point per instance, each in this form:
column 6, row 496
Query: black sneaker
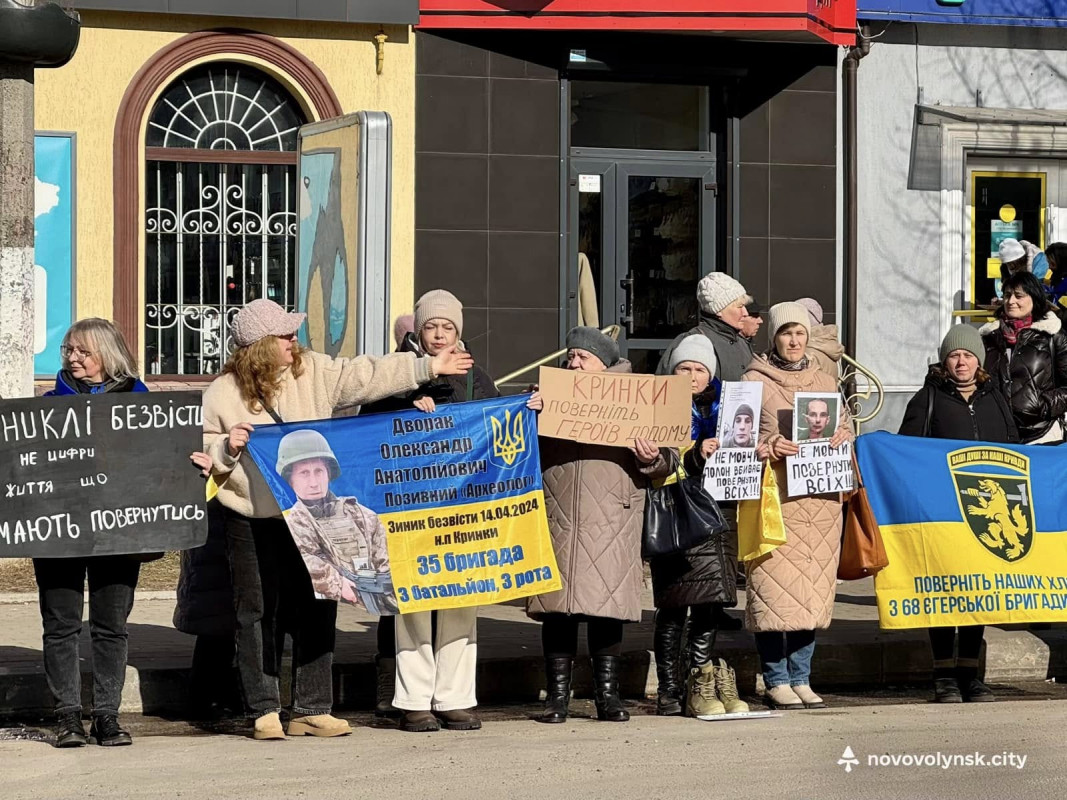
column 106, row 731
column 70, row 732
column 974, row 691
column 947, row 690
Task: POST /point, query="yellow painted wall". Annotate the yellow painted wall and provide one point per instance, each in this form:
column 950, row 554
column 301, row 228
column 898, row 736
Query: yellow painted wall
column 84, row 97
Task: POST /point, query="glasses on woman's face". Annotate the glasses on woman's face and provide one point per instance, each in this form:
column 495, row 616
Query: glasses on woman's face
column 74, row 353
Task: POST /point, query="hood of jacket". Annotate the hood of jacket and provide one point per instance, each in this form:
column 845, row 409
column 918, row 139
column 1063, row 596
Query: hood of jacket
column 716, row 324
column 799, row 381
column 1050, row 324
column 67, row 384
column 824, row 338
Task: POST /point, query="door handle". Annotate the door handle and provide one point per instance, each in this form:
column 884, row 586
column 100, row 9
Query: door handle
column 627, row 317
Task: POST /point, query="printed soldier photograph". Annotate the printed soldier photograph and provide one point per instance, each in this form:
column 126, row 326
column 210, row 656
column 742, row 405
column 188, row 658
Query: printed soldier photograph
column 815, row 416
column 342, row 542
column 738, row 425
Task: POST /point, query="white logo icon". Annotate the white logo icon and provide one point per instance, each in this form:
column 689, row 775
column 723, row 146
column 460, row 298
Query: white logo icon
column 848, row 760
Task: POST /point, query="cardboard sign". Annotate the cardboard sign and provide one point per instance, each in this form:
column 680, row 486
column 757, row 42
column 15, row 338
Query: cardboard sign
column 101, row 474
column 733, row 472
column 413, row 511
column 819, row 469
column 614, row 408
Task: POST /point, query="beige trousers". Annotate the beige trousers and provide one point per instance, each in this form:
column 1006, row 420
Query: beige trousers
column 436, row 675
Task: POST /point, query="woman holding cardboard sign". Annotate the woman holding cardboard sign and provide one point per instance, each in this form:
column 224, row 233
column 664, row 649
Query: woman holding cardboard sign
column 95, row 360
column 791, row 589
column 270, row 378
column 595, row 499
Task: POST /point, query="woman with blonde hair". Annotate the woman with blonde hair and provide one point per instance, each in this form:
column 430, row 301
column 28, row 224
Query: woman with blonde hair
column 95, row 360
column 270, row 378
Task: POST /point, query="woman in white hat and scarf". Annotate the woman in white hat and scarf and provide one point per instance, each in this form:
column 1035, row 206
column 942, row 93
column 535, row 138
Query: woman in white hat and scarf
column 791, row 589
column 270, row 378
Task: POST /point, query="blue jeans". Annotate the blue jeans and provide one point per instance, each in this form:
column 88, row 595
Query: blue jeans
column 786, row 657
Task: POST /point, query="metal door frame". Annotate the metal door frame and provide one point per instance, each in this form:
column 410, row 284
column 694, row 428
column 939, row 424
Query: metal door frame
column 615, row 168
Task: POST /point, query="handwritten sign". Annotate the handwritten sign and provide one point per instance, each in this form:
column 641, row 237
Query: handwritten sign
column 101, row 474
column 733, row 472
column 614, row 408
column 819, row 469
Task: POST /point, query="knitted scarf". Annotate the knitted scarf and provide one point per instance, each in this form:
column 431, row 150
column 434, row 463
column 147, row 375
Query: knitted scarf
column 1011, row 328
column 789, row 366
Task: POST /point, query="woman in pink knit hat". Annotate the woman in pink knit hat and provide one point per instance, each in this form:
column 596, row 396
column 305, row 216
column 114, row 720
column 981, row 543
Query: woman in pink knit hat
column 270, row 378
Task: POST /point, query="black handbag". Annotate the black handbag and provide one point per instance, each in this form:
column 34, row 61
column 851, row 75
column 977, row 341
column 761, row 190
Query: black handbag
column 678, row 516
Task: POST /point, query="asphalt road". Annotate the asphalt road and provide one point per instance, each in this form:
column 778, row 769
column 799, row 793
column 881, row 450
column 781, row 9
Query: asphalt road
column 794, row 756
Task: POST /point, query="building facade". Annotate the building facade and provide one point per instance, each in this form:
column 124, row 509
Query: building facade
column 171, row 136
column 962, row 141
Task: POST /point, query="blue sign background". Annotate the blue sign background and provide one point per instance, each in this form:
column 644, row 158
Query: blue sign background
column 1037, row 13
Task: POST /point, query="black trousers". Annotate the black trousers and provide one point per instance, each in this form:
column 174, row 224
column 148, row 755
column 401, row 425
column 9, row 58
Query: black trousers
column 273, row 596
column 559, row 635
column 61, row 587
column 943, row 641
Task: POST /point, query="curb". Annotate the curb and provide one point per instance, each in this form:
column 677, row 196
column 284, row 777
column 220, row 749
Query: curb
column 844, row 659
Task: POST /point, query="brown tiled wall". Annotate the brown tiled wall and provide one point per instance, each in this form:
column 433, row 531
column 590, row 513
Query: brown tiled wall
column 487, row 196
column 788, row 194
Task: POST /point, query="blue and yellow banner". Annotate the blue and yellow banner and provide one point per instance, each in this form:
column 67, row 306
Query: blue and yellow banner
column 976, row 533
column 411, row 511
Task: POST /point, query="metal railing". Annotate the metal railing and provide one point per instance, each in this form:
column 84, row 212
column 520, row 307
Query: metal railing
column 854, row 395
column 850, row 371
column 612, row 331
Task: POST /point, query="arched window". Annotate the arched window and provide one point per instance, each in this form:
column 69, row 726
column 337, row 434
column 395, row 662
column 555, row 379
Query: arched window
column 220, row 218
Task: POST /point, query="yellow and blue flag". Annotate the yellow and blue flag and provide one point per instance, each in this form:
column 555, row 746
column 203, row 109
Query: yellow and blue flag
column 976, row 533
column 456, row 494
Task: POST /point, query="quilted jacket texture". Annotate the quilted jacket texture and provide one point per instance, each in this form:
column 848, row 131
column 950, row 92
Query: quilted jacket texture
column 792, row 587
column 595, row 500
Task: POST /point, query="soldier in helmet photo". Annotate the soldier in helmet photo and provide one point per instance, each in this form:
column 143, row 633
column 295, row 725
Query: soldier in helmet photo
column 341, row 541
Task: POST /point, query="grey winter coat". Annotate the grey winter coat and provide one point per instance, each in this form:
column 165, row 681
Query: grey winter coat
column 732, row 350
column 595, row 500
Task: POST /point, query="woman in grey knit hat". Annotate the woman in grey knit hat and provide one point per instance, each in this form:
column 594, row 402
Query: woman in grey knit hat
column 959, row 401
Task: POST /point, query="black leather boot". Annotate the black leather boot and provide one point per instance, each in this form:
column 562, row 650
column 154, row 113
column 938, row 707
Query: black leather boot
column 609, row 706
column 386, row 687
column 667, row 642
column 558, row 689
column 69, row 731
column 700, row 646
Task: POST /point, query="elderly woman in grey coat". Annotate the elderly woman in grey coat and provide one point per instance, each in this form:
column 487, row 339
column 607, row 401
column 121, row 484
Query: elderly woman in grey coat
column 595, row 498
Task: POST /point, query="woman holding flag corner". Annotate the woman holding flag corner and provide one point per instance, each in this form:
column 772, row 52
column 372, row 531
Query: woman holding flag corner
column 960, row 400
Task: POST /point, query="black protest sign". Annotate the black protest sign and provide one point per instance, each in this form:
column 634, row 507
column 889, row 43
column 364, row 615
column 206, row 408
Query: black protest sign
column 100, row 474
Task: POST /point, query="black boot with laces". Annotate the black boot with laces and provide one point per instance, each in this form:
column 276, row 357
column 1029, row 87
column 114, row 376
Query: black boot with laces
column 107, row 732
column 69, row 730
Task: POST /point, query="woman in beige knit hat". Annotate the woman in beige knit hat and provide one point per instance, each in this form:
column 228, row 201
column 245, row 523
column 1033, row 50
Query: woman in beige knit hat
column 791, row 590
column 435, row 675
column 270, row 378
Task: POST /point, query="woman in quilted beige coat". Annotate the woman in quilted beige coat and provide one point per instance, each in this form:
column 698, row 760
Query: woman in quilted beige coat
column 791, row 589
column 595, row 500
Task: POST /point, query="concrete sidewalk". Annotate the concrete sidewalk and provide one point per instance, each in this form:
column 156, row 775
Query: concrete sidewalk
column 853, row 652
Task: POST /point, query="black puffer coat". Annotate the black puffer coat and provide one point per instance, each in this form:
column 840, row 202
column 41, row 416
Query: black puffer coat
column 205, row 590
column 706, row 573
column 985, row 418
column 1036, row 389
column 732, row 350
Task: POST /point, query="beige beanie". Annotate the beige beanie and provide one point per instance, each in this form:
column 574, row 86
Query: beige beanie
column 790, row 313
column 439, row 304
column 716, row 291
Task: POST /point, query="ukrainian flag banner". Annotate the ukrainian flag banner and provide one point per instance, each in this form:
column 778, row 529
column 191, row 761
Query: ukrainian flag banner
column 976, row 533
column 411, row 511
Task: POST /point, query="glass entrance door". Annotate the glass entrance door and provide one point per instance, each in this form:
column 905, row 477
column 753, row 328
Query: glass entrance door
column 644, row 236
column 1011, row 198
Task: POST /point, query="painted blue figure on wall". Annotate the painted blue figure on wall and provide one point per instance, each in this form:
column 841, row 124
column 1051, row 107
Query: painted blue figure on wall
column 323, row 252
column 53, row 223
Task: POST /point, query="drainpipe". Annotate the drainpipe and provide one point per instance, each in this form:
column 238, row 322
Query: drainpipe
column 850, row 81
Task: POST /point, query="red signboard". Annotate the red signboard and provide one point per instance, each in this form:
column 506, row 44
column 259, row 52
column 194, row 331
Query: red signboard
column 833, row 21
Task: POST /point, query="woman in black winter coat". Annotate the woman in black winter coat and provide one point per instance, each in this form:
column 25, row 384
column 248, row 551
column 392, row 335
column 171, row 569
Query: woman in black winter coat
column 700, row 582
column 959, row 401
column 1026, row 353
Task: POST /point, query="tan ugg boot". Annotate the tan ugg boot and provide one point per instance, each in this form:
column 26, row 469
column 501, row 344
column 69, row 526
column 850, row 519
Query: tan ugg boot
column 325, row 725
column 268, row 726
column 783, row 698
column 808, row 697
